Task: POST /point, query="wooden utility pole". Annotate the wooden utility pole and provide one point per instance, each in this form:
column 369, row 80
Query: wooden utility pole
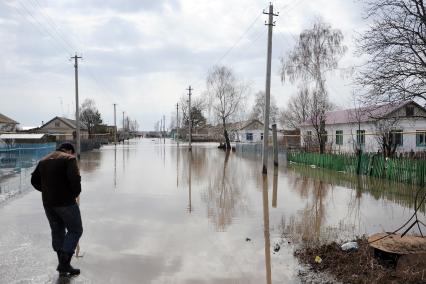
column 124, row 136
column 275, row 143
column 77, row 107
column 115, row 125
column 190, row 117
column 177, row 123
column 164, row 129
column 270, row 24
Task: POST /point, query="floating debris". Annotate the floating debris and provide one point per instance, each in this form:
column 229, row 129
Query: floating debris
column 277, row 247
column 318, row 259
column 350, row 246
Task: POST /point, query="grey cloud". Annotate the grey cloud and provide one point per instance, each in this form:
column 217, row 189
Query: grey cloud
column 122, row 6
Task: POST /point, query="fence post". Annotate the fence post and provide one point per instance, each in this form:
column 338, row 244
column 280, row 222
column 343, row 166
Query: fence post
column 275, row 144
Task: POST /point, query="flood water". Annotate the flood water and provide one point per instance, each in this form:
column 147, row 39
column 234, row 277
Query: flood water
column 157, row 213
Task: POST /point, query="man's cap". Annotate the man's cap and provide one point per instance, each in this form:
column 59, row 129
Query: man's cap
column 67, row 147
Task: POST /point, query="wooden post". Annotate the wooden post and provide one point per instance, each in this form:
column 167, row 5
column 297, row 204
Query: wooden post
column 275, row 144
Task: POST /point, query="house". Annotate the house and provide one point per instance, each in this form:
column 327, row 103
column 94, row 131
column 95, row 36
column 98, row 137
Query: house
column 7, row 124
column 62, row 128
column 251, row 131
column 402, row 125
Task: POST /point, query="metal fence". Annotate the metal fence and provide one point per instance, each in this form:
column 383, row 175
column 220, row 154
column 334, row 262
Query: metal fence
column 410, row 171
column 17, row 162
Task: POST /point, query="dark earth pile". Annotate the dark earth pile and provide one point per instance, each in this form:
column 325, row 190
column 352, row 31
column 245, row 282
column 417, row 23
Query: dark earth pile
column 360, row 266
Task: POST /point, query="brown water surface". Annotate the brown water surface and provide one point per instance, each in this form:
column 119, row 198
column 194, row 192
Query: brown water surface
column 157, row 213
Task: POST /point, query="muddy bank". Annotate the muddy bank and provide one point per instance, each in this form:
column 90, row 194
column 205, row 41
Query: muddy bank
column 359, row 266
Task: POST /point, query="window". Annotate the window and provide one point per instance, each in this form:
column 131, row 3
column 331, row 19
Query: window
column 339, row 137
column 57, row 123
column 396, row 137
column 409, row 110
column 309, row 135
column 420, row 138
column 325, row 136
column 360, row 137
column 249, row 136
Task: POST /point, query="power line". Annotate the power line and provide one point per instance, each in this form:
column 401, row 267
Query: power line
column 41, row 28
column 51, row 23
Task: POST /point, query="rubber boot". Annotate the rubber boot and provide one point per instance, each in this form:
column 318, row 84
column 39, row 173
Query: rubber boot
column 65, row 267
column 59, row 259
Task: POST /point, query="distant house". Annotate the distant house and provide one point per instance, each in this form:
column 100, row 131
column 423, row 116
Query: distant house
column 62, row 128
column 7, row 124
column 404, row 124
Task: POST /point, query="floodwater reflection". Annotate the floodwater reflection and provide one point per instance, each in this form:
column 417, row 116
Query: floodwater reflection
column 156, row 213
column 266, row 229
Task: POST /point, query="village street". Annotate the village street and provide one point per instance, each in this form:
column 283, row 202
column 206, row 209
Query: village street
column 156, row 212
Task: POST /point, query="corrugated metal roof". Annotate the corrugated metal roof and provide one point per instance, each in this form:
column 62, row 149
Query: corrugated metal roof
column 23, row 136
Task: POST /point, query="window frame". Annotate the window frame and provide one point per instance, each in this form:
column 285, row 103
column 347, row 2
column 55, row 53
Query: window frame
column 360, row 137
column 397, row 133
column 421, row 133
column 249, row 136
column 339, row 137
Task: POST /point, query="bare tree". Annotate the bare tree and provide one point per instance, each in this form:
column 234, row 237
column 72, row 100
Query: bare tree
column 225, row 96
column 319, row 106
column 396, row 46
column 198, row 106
column 297, row 110
column 386, row 134
column 258, row 110
column 89, row 115
column 317, row 51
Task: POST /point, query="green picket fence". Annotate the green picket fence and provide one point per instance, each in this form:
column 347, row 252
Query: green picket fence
column 399, row 170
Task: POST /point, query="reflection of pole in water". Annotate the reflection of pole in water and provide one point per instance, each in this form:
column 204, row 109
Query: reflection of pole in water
column 189, row 181
column 115, row 166
column 266, row 229
column 124, row 162
column 275, row 188
column 177, row 168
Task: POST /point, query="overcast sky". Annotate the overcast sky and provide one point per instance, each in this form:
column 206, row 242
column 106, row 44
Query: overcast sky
column 143, row 54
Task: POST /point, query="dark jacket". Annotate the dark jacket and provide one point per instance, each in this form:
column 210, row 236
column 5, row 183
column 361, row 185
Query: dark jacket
column 58, row 178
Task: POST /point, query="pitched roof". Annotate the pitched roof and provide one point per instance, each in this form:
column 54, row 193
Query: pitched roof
column 5, row 119
column 363, row 114
column 70, row 122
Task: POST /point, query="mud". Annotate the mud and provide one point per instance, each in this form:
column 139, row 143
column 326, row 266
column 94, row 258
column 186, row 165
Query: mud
column 359, row 266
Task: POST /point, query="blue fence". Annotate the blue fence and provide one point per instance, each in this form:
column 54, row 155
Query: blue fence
column 17, row 162
column 17, row 156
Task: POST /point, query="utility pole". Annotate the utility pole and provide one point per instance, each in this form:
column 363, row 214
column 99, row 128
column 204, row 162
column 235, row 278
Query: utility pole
column 123, row 129
column 77, row 108
column 177, row 123
column 190, row 117
column 115, row 125
column 160, row 130
column 164, row 129
column 270, row 24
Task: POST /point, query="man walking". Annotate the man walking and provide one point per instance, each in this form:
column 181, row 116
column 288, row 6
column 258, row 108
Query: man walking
column 58, row 178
